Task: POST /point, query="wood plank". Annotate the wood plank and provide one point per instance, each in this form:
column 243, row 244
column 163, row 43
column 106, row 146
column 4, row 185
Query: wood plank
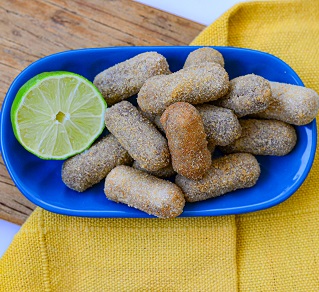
column 34, row 29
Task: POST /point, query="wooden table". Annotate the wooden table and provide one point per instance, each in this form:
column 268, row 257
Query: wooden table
column 33, row 29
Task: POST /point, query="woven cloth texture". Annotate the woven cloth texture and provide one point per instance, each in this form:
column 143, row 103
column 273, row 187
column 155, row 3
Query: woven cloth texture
column 272, row 250
column 278, row 249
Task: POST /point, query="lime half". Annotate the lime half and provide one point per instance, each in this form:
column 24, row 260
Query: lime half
column 57, row 114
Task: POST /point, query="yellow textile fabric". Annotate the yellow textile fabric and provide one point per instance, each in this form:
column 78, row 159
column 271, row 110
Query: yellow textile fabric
column 60, row 253
column 278, row 249
column 272, row 250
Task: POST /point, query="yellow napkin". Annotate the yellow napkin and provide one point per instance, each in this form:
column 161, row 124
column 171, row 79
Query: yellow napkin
column 272, row 250
column 278, row 249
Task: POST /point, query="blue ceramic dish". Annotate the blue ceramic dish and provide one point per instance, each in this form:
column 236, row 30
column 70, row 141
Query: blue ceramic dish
column 40, row 180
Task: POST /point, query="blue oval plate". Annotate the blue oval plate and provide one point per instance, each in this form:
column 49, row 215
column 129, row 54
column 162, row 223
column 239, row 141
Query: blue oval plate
column 40, row 180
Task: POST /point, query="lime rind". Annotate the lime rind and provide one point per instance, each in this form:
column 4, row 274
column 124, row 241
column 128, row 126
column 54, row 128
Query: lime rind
column 69, row 130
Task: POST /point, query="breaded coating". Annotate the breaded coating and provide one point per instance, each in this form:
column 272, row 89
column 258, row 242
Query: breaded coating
column 195, row 85
column 227, row 174
column 264, row 137
column 137, row 135
column 126, row 78
column 149, row 116
column 157, row 122
column 221, row 124
column 88, row 168
column 154, row 118
column 292, row 104
column 248, row 94
column 144, row 192
column 204, row 55
column 186, row 140
column 165, row 172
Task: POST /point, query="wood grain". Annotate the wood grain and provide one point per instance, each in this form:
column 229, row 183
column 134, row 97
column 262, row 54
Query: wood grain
column 34, row 29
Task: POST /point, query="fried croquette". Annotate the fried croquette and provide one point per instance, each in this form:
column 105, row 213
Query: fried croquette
column 292, row 104
column 138, row 136
column 227, row 174
column 248, row 94
column 126, row 78
column 144, row 192
column 195, row 85
column 204, row 55
column 264, row 137
column 88, row 168
column 186, row 140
